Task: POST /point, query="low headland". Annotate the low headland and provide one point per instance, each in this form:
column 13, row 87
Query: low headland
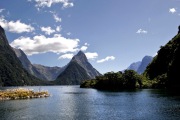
column 127, row 80
column 22, row 93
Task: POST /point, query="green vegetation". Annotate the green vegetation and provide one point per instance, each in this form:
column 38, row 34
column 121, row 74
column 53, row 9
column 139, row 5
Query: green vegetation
column 161, row 73
column 164, row 69
column 21, row 93
column 12, row 72
column 118, row 81
column 130, row 79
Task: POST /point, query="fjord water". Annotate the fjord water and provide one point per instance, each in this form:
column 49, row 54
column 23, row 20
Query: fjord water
column 74, row 103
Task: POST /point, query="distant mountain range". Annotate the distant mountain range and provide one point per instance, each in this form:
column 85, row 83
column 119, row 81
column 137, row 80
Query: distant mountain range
column 50, row 73
column 17, row 70
column 77, row 70
column 40, row 71
column 140, row 66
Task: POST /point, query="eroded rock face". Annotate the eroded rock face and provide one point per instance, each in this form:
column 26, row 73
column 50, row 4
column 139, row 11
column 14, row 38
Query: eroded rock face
column 12, row 72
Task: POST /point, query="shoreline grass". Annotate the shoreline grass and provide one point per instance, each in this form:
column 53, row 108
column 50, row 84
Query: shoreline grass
column 22, row 93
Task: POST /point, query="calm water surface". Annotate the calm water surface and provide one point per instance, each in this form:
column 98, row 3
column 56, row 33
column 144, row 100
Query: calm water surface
column 74, row 103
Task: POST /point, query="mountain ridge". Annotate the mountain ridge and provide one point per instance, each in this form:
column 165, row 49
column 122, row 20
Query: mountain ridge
column 165, row 65
column 77, row 70
column 140, row 66
column 12, row 72
column 40, row 71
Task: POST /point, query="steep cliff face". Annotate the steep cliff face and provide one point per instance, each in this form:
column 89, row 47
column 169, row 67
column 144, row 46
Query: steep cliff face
column 12, row 72
column 78, row 70
column 165, row 64
column 39, row 71
column 27, row 64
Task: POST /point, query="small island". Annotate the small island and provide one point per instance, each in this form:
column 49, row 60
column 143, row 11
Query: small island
column 21, row 93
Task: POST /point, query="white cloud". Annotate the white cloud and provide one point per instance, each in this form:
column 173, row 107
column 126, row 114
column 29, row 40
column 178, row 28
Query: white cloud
column 66, row 56
column 15, row 26
column 172, row 10
column 48, row 30
column 1, row 10
column 106, row 59
column 56, row 18
column 48, row 3
column 86, row 44
column 84, row 47
column 67, row 4
column 91, row 55
column 155, row 54
column 141, row 31
column 41, row 44
column 58, row 28
column 68, row 33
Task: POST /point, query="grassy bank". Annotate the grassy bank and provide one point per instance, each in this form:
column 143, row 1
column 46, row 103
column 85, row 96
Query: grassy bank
column 21, row 93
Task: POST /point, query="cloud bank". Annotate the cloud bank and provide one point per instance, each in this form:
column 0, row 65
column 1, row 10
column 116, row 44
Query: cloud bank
column 15, row 26
column 41, row 44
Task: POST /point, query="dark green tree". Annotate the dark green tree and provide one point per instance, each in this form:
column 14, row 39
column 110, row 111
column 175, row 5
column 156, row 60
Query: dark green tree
column 129, row 78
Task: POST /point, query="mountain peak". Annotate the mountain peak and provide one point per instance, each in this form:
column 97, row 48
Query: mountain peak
column 145, row 62
column 147, row 57
column 80, row 54
column 3, row 39
column 80, row 57
column 77, row 70
column 1, row 29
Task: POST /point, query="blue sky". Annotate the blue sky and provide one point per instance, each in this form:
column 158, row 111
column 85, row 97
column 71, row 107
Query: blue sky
column 112, row 33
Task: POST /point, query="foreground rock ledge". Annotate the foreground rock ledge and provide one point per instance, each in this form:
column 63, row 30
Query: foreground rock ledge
column 21, row 93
